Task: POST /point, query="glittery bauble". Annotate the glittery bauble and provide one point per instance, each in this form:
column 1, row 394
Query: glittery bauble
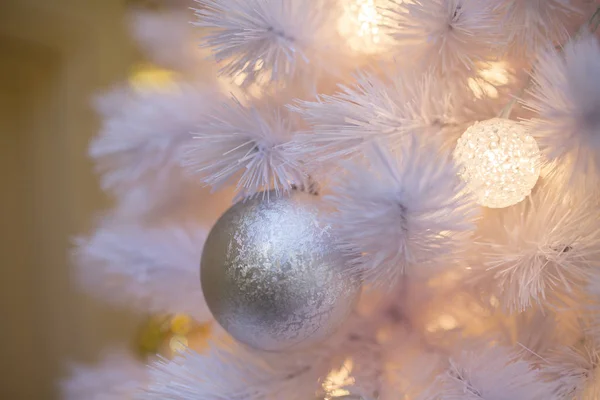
column 272, row 276
column 500, row 161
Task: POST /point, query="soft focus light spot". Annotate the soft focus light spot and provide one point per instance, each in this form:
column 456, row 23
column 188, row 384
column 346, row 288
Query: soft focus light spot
column 178, row 344
column 147, row 77
column 494, row 302
column 499, row 161
column 255, row 89
column 447, row 322
column 481, row 88
column 361, row 23
column 495, row 73
column 337, row 379
column 444, row 322
column 489, row 77
column 240, row 78
column 383, row 335
column 181, row 324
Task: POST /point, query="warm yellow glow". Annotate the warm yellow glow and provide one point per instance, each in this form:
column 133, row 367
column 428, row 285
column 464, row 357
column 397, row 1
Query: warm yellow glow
column 181, row 324
column 337, row 379
column 444, row 322
column 494, row 302
column 178, row 344
column 446, row 279
column 168, row 334
column 199, row 337
column 240, row 86
column 495, row 73
column 489, row 77
column 499, row 161
column 148, row 77
column 361, row 24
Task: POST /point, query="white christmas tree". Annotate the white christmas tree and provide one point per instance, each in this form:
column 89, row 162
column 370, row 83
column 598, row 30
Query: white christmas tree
column 453, row 148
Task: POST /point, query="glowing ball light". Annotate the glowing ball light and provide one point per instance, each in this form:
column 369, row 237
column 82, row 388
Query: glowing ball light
column 499, row 161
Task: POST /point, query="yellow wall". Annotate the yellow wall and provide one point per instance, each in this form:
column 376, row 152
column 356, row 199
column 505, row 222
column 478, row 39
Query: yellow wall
column 54, row 54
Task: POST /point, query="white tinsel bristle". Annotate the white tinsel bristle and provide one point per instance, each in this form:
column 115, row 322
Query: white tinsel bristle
column 168, row 39
column 405, row 209
column 449, row 36
column 117, row 376
column 567, row 103
column 229, row 371
column 495, row 372
column 246, row 146
column 272, row 40
column 531, row 24
column 391, row 108
column 539, row 250
column 574, row 371
column 147, row 269
column 140, row 143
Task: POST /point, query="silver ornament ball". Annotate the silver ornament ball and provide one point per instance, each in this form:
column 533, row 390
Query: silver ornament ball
column 272, row 276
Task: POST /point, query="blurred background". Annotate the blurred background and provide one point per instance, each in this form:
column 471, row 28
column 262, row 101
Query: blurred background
column 54, row 56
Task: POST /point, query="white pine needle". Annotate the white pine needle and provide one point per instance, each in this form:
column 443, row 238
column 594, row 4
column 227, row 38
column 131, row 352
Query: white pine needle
column 566, row 101
column 231, row 372
column 168, row 40
column 402, row 210
column 494, row 373
column 117, row 376
column 277, row 38
column 532, row 24
column 449, row 36
column 539, row 249
column 574, row 371
column 143, row 133
column 148, row 269
column 374, row 108
column 242, row 145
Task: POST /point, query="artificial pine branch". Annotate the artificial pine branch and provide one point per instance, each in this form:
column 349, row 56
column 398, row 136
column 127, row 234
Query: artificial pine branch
column 510, row 310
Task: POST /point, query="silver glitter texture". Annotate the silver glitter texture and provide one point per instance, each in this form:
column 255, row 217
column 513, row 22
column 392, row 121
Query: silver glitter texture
column 272, row 276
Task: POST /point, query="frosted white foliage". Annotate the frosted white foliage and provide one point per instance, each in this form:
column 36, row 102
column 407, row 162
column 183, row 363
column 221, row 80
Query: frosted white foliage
column 229, row 371
column 566, row 100
column 494, row 373
column 536, row 332
column 248, row 146
column 364, row 101
column 391, row 109
column 280, row 38
column 593, row 290
column 499, row 160
column 532, row 24
column 140, row 143
column 449, row 36
column 148, row 269
column 117, row 376
column 539, row 249
column 168, row 39
column 574, row 370
column 401, row 210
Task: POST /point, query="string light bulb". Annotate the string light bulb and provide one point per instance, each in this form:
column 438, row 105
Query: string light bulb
column 499, row 161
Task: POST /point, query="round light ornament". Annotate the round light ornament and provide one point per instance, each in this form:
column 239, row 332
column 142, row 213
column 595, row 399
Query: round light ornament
column 499, row 161
column 272, row 275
